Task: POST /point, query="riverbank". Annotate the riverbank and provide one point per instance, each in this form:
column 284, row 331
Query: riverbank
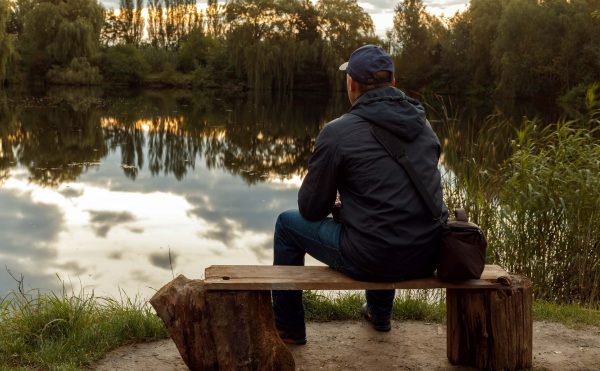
column 354, row 345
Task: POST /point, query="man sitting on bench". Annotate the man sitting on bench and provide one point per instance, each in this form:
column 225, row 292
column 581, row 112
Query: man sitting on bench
column 381, row 230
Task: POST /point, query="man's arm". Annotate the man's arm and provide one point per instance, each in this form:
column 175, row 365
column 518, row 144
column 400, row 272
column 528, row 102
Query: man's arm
column 319, row 187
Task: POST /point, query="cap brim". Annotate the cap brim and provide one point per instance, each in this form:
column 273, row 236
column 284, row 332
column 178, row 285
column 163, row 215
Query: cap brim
column 344, row 66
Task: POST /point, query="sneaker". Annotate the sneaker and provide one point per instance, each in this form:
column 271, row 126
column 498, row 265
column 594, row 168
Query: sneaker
column 291, row 338
column 379, row 324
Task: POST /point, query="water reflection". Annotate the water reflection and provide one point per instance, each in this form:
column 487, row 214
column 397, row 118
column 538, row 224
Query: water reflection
column 123, row 191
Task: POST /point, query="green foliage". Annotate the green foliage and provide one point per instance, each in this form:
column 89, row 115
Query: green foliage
column 193, row 52
column 79, row 72
column 170, row 77
column 6, row 42
column 55, row 33
column 158, row 58
column 68, row 331
column 124, row 64
column 416, row 38
column 522, row 48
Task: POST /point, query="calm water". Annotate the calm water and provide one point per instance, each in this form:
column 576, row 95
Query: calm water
column 114, row 190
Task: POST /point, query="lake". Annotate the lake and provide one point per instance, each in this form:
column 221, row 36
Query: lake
column 118, row 191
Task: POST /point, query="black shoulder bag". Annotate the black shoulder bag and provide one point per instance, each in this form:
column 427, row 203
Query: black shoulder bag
column 463, row 245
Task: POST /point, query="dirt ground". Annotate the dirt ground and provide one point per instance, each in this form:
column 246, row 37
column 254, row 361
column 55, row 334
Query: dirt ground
column 353, row 345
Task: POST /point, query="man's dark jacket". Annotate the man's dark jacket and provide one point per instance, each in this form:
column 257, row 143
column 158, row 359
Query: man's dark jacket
column 388, row 232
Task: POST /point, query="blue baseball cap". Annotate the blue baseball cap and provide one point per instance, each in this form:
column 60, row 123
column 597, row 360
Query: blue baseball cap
column 365, row 61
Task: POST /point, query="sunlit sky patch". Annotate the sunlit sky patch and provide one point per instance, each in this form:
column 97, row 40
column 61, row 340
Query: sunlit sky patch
column 382, row 11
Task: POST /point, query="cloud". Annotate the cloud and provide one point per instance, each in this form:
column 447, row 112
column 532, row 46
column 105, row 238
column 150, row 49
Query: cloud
column 28, row 229
column 33, row 279
column 139, row 275
column 379, row 6
column 103, row 221
column 71, row 192
column 116, row 255
column 162, row 260
column 72, row 267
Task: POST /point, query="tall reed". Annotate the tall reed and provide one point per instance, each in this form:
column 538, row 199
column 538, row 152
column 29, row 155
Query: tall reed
column 535, row 190
column 549, row 207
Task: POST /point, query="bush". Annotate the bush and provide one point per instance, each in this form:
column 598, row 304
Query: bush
column 158, row 58
column 79, row 72
column 193, row 52
column 170, row 77
column 124, row 64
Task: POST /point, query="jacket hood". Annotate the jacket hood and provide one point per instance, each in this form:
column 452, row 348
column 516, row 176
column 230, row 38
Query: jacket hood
column 391, row 109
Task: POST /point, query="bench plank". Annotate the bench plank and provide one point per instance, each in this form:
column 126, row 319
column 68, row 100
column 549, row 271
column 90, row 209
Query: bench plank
column 267, row 277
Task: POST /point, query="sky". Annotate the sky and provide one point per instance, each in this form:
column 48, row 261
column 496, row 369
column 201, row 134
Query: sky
column 382, row 11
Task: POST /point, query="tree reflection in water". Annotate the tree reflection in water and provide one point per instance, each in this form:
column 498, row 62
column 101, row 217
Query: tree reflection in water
column 255, row 137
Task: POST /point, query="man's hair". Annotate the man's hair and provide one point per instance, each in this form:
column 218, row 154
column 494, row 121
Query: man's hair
column 383, row 78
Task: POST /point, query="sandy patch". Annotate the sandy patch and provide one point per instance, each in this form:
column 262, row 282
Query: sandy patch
column 352, row 345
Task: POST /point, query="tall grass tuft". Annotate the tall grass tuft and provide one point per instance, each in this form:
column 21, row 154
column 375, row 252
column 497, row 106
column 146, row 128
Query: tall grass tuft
column 67, row 330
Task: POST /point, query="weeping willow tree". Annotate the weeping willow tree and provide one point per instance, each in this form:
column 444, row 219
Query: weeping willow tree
column 279, row 44
column 56, row 33
column 6, row 45
column 252, row 41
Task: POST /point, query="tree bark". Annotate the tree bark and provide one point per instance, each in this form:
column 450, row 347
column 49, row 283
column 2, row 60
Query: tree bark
column 221, row 330
column 491, row 329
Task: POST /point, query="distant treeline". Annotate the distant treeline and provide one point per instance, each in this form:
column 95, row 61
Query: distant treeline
column 510, row 47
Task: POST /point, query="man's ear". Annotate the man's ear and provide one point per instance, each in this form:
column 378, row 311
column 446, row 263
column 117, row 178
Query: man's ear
column 394, row 82
column 353, row 85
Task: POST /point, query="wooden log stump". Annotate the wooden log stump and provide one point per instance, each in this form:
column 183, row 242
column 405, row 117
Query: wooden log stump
column 491, row 329
column 221, row 330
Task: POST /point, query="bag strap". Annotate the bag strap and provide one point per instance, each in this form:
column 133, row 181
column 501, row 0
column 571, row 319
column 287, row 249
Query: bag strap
column 395, row 147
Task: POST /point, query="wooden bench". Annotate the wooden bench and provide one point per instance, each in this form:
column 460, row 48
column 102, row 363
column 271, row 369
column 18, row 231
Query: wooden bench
column 226, row 321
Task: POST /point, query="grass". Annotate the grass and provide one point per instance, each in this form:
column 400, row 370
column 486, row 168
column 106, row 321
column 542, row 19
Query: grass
column 67, row 331
column 570, row 315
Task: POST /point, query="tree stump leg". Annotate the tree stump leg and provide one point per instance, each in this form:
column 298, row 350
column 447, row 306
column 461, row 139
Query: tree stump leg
column 221, row 330
column 491, row 329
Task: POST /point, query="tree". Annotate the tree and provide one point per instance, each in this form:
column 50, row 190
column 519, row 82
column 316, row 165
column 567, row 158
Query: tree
column 132, row 22
column 416, row 38
column 6, row 44
column 55, row 33
column 156, row 23
column 344, row 26
column 215, row 25
column 181, row 18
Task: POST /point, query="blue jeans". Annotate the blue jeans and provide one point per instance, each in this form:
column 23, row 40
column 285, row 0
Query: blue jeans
column 296, row 236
